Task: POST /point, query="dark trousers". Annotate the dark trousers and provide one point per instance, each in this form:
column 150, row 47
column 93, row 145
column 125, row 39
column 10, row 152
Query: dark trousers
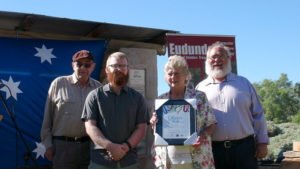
column 235, row 154
column 71, row 155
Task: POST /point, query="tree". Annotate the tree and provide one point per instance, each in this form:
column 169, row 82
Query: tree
column 297, row 89
column 279, row 99
column 296, row 118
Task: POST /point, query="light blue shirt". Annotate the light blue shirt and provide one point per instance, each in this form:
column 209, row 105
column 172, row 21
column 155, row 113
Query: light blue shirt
column 237, row 108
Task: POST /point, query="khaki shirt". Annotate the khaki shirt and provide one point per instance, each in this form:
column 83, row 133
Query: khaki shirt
column 64, row 107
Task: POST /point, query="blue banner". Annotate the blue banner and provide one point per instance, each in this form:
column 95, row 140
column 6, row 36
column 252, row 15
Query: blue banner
column 27, row 67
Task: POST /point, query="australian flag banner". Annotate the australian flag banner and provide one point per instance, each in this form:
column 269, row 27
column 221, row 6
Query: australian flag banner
column 27, row 67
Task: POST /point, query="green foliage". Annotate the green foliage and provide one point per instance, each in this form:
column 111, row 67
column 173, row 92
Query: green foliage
column 296, row 118
column 297, row 89
column 281, row 102
column 280, row 99
column 273, row 129
column 283, row 141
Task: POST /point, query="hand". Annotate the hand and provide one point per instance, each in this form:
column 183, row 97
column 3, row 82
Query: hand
column 49, row 153
column 261, row 150
column 117, row 151
column 200, row 140
column 153, row 119
column 125, row 147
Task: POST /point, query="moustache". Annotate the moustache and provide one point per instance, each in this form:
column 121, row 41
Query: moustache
column 119, row 78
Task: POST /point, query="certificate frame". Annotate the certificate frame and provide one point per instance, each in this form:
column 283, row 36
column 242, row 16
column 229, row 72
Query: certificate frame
column 137, row 80
column 176, row 121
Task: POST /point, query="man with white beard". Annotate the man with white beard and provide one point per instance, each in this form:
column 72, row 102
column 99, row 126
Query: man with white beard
column 241, row 134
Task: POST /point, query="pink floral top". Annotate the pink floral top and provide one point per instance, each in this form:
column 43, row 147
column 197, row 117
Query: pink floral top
column 198, row 158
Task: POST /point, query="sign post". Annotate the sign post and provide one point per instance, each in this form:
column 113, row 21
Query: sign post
column 194, row 47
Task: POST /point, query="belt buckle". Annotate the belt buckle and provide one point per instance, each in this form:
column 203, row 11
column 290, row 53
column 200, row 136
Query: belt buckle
column 227, row 144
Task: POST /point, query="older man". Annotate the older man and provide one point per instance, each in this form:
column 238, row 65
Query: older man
column 115, row 118
column 63, row 133
column 241, row 134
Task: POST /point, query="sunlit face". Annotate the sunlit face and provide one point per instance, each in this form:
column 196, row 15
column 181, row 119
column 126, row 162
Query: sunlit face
column 117, row 71
column 117, row 64
column 83, row 68
column 218, row 64
column 175, row 78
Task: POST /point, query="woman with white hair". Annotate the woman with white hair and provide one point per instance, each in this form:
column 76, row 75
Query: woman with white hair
column 177, row 75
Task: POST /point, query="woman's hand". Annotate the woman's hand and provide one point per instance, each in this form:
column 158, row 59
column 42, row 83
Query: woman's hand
column 200, row 139
column 153, row 120
column 204, row 133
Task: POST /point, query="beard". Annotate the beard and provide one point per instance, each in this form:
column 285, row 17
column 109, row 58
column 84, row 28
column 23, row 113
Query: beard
column 118, row 78
column 217, row 73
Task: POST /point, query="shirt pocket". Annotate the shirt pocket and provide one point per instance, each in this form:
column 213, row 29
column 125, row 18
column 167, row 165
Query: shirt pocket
column 66, row 100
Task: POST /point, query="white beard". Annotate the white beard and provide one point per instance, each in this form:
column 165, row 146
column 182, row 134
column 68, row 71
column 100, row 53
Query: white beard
column 217, row 73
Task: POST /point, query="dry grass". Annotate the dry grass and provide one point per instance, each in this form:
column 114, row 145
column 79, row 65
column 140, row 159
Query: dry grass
column 281, row 139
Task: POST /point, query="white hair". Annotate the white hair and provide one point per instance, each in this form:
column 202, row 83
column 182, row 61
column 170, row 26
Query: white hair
column 178, row 62
column 217, row 73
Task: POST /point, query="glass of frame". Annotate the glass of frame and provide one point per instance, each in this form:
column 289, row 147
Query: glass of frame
column 176, row 121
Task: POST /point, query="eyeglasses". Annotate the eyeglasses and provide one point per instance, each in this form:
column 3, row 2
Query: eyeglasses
column 116, row 66
column 215, row 57
column 86, row 65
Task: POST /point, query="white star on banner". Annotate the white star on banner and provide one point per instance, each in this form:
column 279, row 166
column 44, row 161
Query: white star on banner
column 44, row 54
column 13, row 88
column 39, row 150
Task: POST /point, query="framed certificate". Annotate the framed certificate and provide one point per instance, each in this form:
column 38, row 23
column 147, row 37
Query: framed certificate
column 176, row 121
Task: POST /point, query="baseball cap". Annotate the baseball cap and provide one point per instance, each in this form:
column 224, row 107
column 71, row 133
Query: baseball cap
column 82, row 54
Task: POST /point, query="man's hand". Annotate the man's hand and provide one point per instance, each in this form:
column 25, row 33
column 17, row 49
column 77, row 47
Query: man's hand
column 116, row 151
column 261, row 150
column 49, row 153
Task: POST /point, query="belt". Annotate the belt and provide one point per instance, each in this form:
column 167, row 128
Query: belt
column 231, row 143
column 72, row 139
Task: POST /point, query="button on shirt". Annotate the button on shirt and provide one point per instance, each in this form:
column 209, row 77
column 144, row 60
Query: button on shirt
column 117, row 116
column 64, row 107
column 237, row 108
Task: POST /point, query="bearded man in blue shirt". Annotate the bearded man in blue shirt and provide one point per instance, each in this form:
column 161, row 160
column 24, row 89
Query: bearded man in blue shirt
column 241, row 135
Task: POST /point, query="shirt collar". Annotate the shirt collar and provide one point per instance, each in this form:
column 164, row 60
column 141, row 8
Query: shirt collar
column 187, row 92
column 107, row 88
column 229, row 77
column 74, row 80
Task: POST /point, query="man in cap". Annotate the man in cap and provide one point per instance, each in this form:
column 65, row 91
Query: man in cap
column 63, row 133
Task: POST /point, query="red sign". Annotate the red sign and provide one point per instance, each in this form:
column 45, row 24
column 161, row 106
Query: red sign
column 194, row 47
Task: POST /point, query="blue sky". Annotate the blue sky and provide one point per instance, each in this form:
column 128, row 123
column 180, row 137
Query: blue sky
column 267, row 31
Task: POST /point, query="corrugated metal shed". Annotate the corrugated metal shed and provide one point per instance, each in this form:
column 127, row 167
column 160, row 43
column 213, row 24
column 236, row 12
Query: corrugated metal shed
column 25, row 25
column 118, row 36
